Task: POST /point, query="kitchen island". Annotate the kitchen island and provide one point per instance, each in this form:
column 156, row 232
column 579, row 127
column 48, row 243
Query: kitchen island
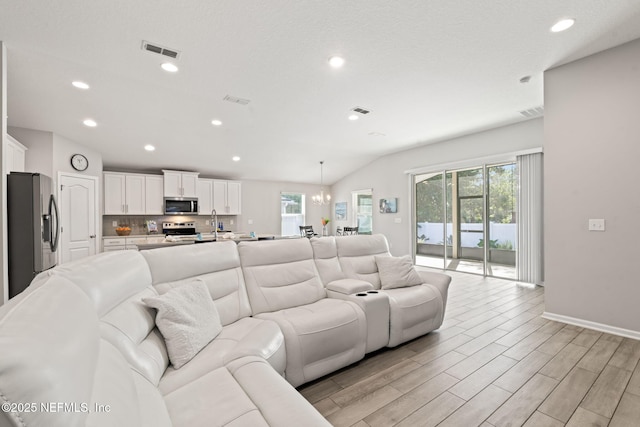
column 209, row 238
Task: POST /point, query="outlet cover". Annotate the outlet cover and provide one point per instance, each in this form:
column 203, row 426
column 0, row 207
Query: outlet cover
column 397, row 220
column 114, row 223
column 206, row 222
column 230, row 222
column 596, row 225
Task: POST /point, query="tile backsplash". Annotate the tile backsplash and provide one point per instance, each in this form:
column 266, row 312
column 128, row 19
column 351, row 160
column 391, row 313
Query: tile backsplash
column 138, row 223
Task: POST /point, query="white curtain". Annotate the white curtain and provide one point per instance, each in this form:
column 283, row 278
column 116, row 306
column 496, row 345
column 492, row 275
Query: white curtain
column 530, row 253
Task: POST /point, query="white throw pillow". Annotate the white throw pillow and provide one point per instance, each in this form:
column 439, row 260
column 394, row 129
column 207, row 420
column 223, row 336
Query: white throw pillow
column 397, row 272
column 188, row 320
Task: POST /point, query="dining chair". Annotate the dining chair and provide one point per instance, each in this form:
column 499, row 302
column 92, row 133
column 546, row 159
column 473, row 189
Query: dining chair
column 307, row 231
column 347, row 231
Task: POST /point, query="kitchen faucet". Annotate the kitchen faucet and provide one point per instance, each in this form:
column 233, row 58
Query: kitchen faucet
column 214, row 223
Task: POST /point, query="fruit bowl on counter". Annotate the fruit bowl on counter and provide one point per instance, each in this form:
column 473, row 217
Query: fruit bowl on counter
column 123, row 230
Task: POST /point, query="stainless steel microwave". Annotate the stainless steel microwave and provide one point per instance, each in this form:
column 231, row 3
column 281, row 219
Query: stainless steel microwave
column 180, row 206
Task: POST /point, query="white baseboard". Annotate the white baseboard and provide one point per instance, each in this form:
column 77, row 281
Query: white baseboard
column 592, row 325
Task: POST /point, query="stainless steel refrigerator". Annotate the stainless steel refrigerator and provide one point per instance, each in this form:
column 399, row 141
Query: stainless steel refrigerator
column 34, row 227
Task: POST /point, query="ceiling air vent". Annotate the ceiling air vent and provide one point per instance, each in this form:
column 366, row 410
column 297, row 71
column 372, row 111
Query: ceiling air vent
column 533, row 112
column 360, row 110
column 236, row 100
column 160, row 50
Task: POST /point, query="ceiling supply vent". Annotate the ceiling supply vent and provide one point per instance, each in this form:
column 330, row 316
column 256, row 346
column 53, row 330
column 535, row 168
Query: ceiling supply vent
column 160, row 50
column 236, row 100
column 361, row 110
column 533, row 112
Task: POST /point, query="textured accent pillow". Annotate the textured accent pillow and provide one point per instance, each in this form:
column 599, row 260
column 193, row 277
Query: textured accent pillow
column 188, row 320
column 397, row 272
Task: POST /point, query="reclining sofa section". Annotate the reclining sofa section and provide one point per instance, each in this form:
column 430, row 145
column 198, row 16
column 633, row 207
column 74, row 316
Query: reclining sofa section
column 80, row 338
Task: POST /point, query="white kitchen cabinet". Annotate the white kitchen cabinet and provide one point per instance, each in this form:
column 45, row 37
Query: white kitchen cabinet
column 154, row 194
column 114, row 193
column 234, row 197
column 132, row 194
column 113, row 244
column 204, row 192
column 227, row 196
column 127, row 243
column 134, row 198
column 180, row 184
column 14, row 155
column 133, row 242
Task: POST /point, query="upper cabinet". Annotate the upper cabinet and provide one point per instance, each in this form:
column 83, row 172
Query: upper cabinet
column 114, row 193
column 154, row 194
column 227, row 196
column 180, row 184
column 204, row 191
column 132, row 194
column 14, row 155
column 134, row 188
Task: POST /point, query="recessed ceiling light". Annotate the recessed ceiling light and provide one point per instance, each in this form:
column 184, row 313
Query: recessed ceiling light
column 216, row 122
column 236, row 158
column 563, row 24
column 168, row 66
column 91, row 123
column 353, row 117
column 336, row 61
column 149, row 147
column 80, row 85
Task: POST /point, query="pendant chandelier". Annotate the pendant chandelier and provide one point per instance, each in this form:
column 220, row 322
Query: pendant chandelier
column 321, row 199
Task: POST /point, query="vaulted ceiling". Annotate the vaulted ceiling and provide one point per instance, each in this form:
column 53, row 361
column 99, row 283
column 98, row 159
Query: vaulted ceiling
column 428, row 70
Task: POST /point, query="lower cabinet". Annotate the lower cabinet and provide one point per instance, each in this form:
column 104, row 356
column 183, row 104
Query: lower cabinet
column 113, row 244
column 127, row 243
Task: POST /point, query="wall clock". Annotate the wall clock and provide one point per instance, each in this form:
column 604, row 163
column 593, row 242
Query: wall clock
column 79, row 162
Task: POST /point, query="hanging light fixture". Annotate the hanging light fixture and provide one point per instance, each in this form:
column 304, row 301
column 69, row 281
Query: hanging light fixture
column 321, row 199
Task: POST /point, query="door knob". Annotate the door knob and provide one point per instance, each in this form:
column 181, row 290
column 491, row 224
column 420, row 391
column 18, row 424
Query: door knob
column 93, row 236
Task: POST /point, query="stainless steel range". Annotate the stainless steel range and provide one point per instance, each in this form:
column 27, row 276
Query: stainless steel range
column 180, row 229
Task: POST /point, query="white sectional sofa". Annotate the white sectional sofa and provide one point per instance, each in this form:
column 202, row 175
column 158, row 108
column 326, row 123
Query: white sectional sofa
column 80, row 347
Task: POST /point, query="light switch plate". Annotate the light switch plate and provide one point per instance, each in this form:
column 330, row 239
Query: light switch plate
column 596, row 225
column 249, row 221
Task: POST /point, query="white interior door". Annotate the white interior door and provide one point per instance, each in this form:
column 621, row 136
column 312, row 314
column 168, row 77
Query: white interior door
column 78, row 213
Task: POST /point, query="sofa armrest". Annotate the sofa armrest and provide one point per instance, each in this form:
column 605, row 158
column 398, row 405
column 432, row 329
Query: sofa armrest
column 375, row 305
column 349, row 286
column 438, row 280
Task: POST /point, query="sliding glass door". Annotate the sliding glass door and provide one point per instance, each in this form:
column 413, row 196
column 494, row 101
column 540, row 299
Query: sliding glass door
column 458, row 211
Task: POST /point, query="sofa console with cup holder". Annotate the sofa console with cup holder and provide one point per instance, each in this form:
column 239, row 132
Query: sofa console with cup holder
column 205, row 335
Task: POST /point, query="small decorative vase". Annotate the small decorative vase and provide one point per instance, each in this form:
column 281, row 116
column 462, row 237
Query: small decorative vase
column 324, row 230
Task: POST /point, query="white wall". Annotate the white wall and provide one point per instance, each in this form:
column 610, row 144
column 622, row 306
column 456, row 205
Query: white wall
column 592, row 149
column 261, row 203
column 40, row 154
column 388, row 179
column 4, row 263
column 50, row 153
column 64, row 148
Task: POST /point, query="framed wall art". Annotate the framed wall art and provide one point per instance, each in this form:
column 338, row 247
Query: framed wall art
column 389, row 205
column 341, row 211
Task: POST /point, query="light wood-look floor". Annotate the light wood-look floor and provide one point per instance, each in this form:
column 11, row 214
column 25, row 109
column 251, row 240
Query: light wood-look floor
column 494, row 362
